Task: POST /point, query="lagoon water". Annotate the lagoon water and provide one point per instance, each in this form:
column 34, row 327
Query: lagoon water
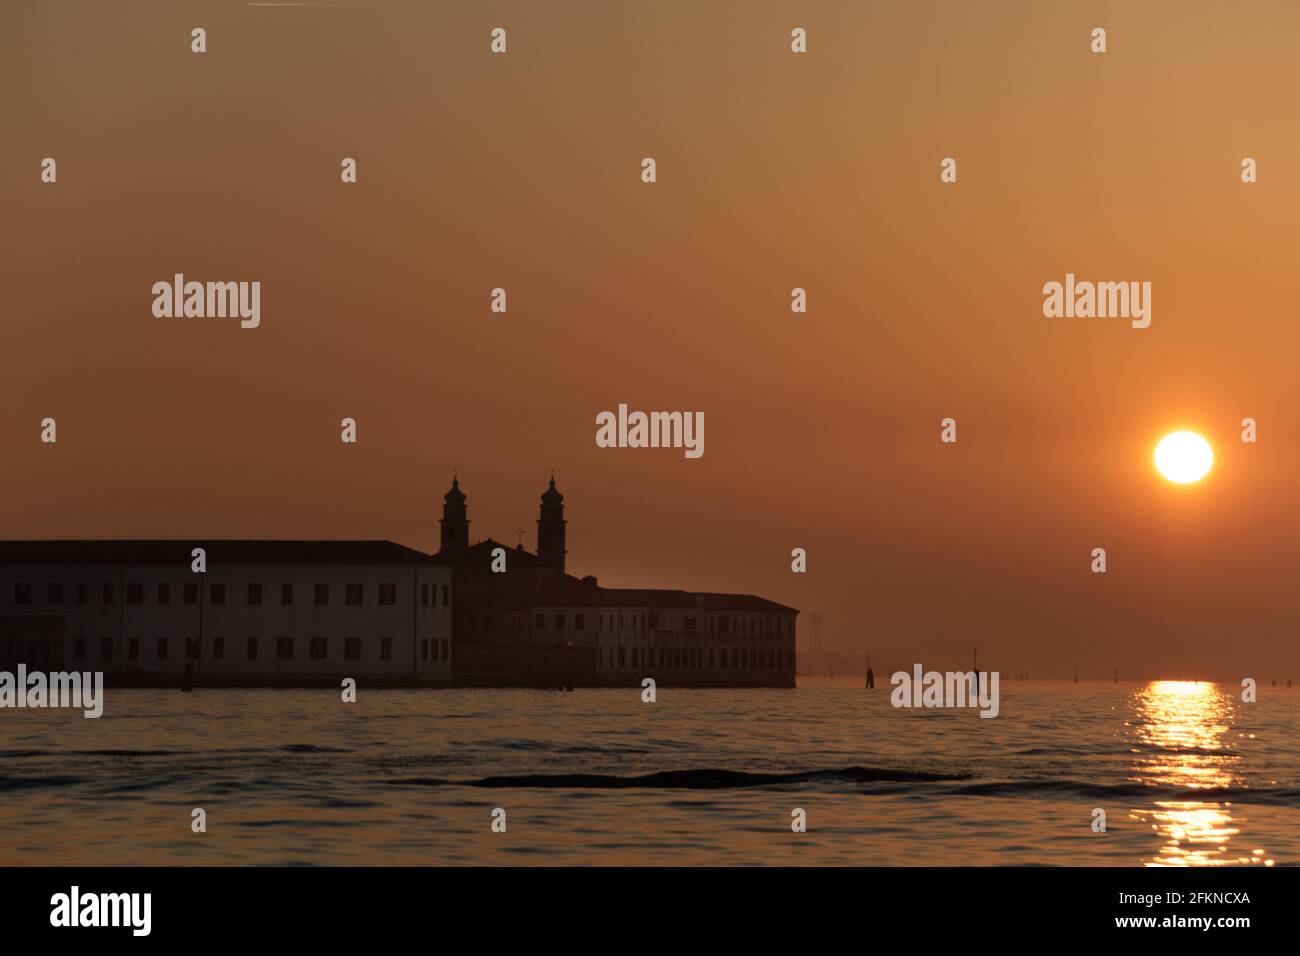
column 1186, row 773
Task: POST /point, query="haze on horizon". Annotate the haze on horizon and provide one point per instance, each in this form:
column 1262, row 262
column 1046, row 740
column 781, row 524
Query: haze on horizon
column 774, row 171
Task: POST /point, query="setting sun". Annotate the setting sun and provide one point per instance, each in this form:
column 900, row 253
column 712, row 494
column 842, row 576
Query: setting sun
column 1184, row 457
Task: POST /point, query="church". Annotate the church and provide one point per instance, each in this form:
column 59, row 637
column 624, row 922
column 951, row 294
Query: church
column 311, row 613
column 518, row 619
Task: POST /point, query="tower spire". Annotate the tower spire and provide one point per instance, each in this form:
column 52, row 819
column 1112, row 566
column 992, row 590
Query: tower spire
column 550, row 526
column 454, row 526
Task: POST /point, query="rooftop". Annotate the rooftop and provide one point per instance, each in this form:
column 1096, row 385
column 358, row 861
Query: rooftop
column 218, row 552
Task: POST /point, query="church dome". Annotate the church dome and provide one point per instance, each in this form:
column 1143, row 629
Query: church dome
column 455, row 496
column 550, row 496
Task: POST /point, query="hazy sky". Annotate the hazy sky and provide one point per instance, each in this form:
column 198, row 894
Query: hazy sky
column 775, row 170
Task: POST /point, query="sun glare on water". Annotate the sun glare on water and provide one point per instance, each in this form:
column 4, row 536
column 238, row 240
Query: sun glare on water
column 1184, row 457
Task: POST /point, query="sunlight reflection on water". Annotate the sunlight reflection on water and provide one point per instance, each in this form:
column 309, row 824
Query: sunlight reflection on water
column 1184, row 728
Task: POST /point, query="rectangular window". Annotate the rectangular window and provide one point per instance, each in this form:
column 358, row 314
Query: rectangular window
column 160, row 651
column 424, row 595
column 688, row 623
column 190, row 592
column 622, row 656
column 286, row 593
column 446, row 599
column 251, row 652
column 22, row 594
column 318, row 648
column 54, row 593
column 424, row 648
column 352, row 594
column 559, row 622
column 578, row 622
column 255, row 592
column 192, row 648
column 218, row 648
column 723, row 624
column 540, row 624
column 133, row 649
column 109, row 593
column 81, row 592
column 352, row 649
column 284, row 648
column 386, row 649
column 134, row 592
column 79, row 648
column 388, row 594
column 164, row 593
column 446, row 648
column 322, row 594
column 217, row 594
column 106, row 648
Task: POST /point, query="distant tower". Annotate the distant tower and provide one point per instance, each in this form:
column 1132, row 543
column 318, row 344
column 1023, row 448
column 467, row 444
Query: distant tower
column 454, row 523
column 815, row 634
column 550, row 528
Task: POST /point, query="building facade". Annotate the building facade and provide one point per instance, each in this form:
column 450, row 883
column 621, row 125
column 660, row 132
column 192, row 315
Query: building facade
column 279, row 613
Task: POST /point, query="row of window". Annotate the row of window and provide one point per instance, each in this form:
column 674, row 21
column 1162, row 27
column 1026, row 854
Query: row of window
column 285, row 647
column 579, row 622
column 435, row 648
column 737, row 658
column 721, row 624
column 353, row 594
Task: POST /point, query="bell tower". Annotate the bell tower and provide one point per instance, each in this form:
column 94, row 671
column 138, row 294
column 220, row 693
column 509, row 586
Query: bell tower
column 550, row 527
column 454, row 534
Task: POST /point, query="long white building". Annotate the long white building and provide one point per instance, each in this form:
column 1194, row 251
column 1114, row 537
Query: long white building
column 283, row 613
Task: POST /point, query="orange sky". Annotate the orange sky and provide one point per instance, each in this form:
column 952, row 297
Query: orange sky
column 775, row 171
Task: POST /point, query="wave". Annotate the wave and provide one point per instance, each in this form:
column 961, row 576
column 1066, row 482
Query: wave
column 703, row 779
column 1126, row 749
column 92, row 753
column 939, row 785
column 287, row 748
column 35, row 783
column 1279, row 796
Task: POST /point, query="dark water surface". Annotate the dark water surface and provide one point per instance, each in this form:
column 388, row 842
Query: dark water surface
column 1187, row 775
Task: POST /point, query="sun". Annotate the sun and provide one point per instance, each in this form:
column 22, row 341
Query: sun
column 1184, row 457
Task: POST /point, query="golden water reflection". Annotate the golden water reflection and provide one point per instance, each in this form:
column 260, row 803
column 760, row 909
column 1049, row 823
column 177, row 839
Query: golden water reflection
column 1183, row 742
